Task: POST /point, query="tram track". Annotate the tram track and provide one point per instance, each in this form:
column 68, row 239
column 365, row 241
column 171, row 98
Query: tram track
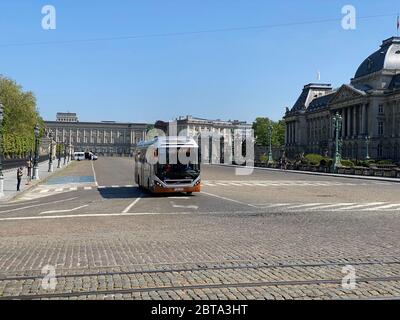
column 209, row 268
column 198, row 287
column 198, row 278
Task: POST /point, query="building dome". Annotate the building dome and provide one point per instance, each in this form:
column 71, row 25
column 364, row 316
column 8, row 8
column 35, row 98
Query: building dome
column 386, row 58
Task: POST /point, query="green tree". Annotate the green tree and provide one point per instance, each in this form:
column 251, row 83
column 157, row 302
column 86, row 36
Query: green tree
column 261, row 131
column 20, row 117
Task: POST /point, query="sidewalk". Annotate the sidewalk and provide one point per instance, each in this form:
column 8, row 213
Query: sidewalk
column 10, row 179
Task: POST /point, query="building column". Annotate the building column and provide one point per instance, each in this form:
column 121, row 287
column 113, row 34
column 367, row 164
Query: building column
column 354, row 133
column 393, row 119
column 363, row 119
column 348, row 120
column 286, row 133
column 342, row 133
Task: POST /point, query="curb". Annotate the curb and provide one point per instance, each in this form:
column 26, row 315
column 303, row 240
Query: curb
column 336, row 175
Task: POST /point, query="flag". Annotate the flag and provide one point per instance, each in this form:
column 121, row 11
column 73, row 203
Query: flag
column 398, row 23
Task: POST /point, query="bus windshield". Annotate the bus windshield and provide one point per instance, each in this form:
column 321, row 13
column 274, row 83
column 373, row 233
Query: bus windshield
column 190, row 170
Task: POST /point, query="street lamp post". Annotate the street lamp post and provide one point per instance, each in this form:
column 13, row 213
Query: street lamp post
column 1, row 152
column 36, row 159
column 65, row 153
column 337, row 123
column 367, row 141
column 51, row 152
column 59, row 146
column 270, row 157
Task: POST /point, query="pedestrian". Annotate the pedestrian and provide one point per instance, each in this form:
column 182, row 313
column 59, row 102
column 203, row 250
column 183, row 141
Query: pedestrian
column 20, row 173
column 29, row 167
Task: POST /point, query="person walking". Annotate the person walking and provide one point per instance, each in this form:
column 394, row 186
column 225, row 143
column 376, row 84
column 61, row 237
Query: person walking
column 20, row 173
column 29, row 167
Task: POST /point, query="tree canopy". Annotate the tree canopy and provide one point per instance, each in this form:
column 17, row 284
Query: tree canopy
column 20, row 117
column 261, row 131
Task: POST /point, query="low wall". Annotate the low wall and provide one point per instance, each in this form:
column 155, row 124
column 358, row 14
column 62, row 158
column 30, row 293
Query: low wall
column 361, row 171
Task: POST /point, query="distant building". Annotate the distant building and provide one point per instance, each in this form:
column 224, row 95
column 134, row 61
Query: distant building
column 369, row 106
column 193, row 126
column 217, row 132
column 66, row 117
column 107, row 138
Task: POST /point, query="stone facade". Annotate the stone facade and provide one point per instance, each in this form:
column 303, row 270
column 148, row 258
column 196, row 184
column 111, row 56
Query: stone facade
column 102, row 138
column 195, row 126
column 369, row 106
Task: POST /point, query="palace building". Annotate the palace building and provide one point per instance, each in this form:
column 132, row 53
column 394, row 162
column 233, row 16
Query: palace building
column 369, row 106
column 107, row 138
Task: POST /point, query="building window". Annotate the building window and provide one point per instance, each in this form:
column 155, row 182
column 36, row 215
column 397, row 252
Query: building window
column 380, row 109
column 380, row 128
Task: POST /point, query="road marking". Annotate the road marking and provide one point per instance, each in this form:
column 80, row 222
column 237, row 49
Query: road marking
column 305, row 205
column 131, row 205
column 362, row 205
column 94, row 175
column 389, row 206
column 185, row 207
column 66, row 210
column 330, row 206
column 179, row 198
column 37, row 205
column 44, row 191
column 227, row 199
column 73, row 189
column 17, row 202
column 265, row 206
column 87, row 188
column 100, row 215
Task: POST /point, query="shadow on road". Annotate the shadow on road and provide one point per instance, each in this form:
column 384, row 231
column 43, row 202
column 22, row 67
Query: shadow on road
column 121, row 193
column 134, row 192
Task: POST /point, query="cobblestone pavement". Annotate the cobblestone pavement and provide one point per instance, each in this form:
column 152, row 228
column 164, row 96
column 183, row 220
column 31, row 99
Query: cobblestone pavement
column 226, row 243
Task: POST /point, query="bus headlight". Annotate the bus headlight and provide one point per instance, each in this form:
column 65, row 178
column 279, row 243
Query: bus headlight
column 156, row 183
column 197, row 182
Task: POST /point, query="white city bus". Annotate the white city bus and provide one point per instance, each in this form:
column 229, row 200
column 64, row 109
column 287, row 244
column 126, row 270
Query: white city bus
column 168, row 164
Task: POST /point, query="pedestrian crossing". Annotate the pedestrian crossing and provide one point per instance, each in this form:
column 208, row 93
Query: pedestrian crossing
column 280, row 183
column 330, row 207
column 51, row 190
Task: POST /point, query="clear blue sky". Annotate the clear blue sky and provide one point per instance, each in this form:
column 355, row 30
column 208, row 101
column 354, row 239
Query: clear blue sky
column 229, row 75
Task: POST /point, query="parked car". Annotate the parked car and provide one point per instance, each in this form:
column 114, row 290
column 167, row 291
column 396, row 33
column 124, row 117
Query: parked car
column 79, row 156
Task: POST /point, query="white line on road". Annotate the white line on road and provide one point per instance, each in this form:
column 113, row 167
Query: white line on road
column 227, row 199
column 94, row 175
column 330, row 206
column 179, row 198
column 361, row 206
column 389, row 206
column 67, row 210
column 101, row 215
column 131, row 205
column 185, row 207
column 305, row 205
column 274, row 205
column 37, row 205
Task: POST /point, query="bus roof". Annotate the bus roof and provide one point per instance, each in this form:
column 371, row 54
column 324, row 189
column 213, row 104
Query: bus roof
column 169, row 142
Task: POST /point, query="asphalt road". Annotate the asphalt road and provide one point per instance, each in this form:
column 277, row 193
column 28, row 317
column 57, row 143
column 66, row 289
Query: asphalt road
column 274, row 235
